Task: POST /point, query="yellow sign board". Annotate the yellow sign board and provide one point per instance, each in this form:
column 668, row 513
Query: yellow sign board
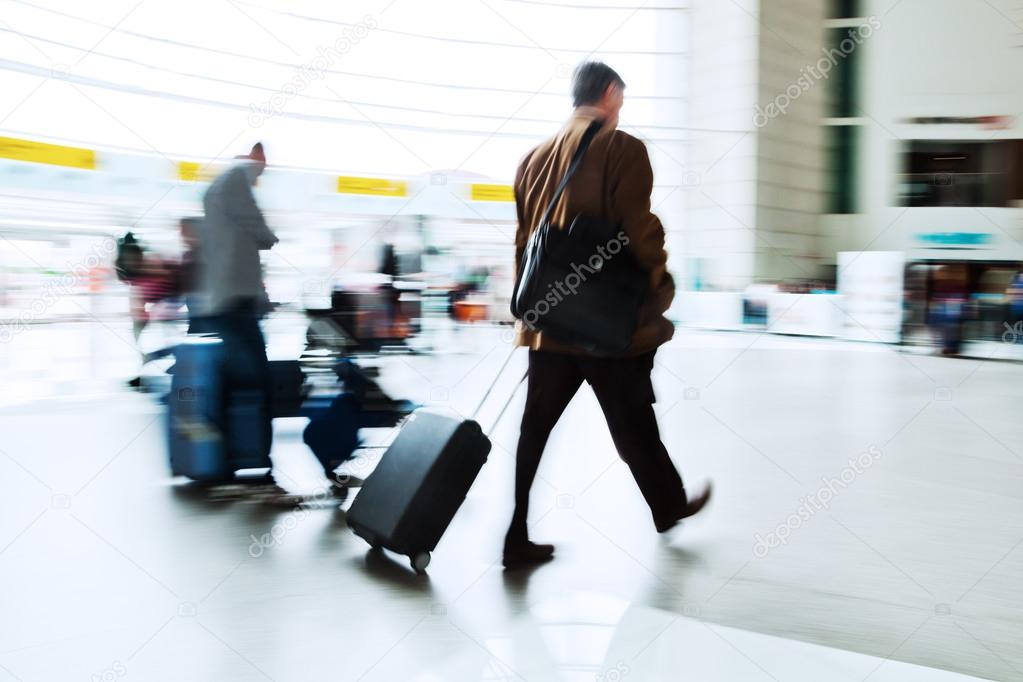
column 193, row 171
column 485, row 192
column 43, row 152
column 380, row 187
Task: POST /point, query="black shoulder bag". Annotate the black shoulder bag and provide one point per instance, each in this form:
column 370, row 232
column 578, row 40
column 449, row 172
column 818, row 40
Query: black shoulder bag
column 580, row 284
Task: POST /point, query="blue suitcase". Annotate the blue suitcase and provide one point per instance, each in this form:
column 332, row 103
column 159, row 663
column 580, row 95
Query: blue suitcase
column 336, row 417
column 248, row 443
column 195, row 411
column 333, row 433
column 212, row 432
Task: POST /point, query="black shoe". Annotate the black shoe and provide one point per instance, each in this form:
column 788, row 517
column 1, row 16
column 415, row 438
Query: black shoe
column 527, row 554
column 693, row 506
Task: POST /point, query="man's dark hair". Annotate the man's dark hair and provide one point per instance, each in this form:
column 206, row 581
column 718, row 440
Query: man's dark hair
column 590, row 81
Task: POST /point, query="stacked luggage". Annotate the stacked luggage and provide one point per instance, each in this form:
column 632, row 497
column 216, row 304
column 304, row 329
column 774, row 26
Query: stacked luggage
column 214, row 432
column 405, row 505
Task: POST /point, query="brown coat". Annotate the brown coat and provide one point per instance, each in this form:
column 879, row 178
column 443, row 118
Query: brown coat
column 614, row 181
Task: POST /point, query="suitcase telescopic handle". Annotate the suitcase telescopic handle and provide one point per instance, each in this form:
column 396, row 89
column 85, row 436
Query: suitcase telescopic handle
column 490, row 389
column 497, row 419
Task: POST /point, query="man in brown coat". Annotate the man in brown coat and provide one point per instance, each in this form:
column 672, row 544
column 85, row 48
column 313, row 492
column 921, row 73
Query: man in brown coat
column 614, row 182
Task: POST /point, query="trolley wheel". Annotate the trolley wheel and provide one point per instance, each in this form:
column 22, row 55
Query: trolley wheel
column 420, row 561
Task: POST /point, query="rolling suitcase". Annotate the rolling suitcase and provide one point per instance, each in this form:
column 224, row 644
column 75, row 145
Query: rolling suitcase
column 194, row 411
column 248, row 431
column 212, row 431
column 287, row 388
column 409, row 500
column 335, row 417
column 333, row 435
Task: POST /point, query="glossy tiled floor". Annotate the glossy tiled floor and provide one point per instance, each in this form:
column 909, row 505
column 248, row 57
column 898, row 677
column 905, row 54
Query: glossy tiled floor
column 904, row 562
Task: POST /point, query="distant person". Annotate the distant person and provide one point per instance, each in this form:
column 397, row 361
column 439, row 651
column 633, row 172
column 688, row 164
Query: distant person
column 151, row 281
column 388, row 289
column 613, row 182
column 388, row 261
column 232, row 292
column 947, row 306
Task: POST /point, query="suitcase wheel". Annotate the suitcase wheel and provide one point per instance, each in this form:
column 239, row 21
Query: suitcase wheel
column 419, row 561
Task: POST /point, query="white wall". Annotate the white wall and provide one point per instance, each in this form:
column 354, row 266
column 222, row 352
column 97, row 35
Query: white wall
column 790, row 147
column 756, row 214
column 720, row 212
column 759, row 212
column 932, row 58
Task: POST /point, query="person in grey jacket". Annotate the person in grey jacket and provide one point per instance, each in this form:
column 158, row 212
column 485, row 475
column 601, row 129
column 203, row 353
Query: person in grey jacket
column 232, row 296
column 234, row 233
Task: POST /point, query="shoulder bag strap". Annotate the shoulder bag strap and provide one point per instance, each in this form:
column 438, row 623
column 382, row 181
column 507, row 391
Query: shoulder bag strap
column 577, row 159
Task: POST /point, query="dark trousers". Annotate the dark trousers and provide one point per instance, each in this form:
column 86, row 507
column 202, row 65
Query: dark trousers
column 626, row 396
column 246, row 367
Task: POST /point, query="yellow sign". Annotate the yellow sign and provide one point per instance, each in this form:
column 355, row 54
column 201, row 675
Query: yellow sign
column 193, row 171
column 484, row 192
column 42, row 152
column 380, row 187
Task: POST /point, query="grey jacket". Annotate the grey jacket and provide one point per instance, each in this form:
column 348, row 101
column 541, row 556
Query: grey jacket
column 232, row 235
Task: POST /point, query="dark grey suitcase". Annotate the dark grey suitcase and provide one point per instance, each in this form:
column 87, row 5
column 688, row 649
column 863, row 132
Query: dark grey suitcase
column 408, row 501
column 287, row 388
